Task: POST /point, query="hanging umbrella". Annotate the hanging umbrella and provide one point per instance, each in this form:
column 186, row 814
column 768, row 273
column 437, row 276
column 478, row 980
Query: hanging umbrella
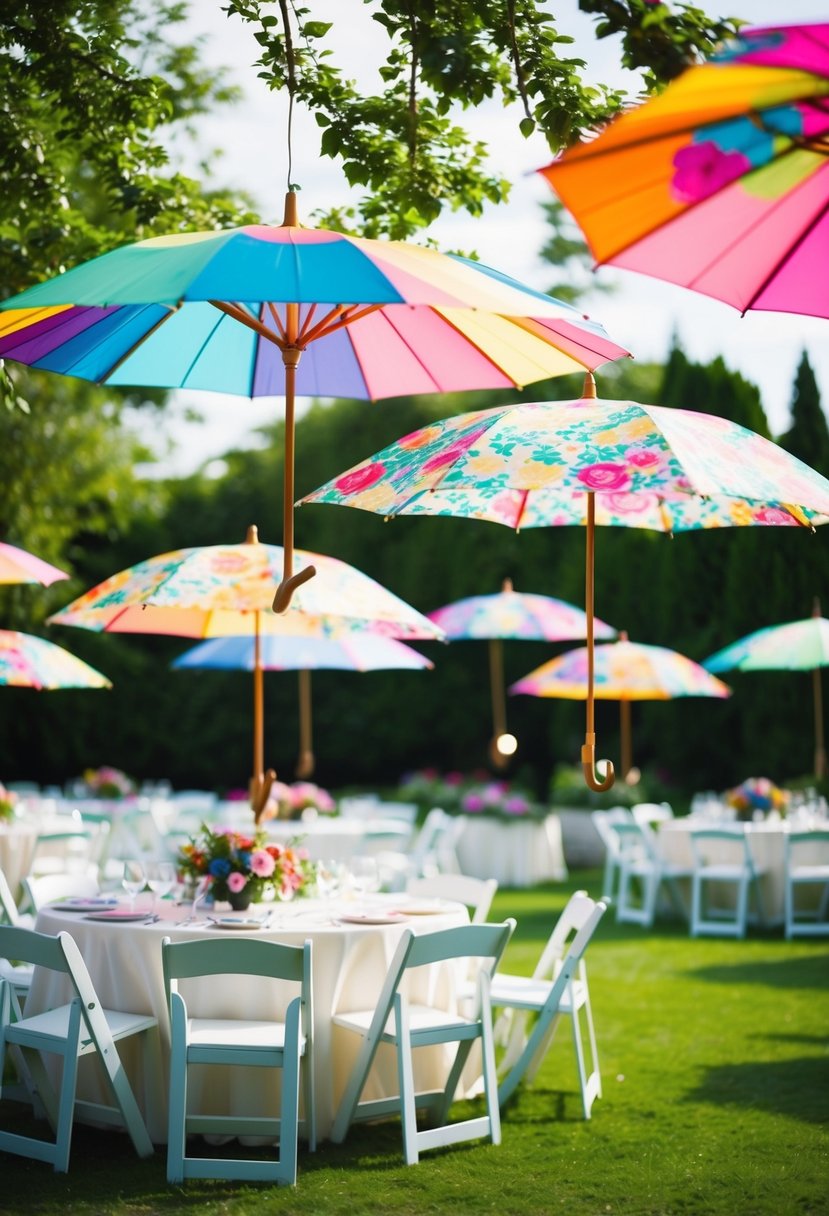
column 225, row 590
column 624, row 671
column 263, row 310
column 795, row 646
column 721, row 183
column 580, row 462
column 18, row 566
column 517, row 616
column 348, row 652
column 27, row 661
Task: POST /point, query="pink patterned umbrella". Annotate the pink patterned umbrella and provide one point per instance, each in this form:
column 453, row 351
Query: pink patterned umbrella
column 27, row 661
column 624, row 671
column 18, row 566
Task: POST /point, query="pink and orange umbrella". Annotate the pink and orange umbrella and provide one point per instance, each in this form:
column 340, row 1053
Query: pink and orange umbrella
column 18, row 566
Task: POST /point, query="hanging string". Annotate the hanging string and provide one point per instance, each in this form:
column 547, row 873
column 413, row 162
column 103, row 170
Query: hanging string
column 290, row 64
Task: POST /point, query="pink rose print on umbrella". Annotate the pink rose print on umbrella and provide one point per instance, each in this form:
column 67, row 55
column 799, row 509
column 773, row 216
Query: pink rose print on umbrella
column 360, row 479
column 643, row 458
column 604, row 476
column 773, row 515
column 441, row 459
column 702, row 169
column 627, row 504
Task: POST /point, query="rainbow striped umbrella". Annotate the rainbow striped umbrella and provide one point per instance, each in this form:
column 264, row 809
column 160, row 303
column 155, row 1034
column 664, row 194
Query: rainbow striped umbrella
column 721, row 183
column 517, row 616
column 624, row 671
column 348, row 652
column 18, row 566
column 27, row 661
column 267, row 311
column 794, row 646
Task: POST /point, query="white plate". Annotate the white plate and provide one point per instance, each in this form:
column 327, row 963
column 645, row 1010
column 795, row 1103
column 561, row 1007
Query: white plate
column 423, row 907
column 118, row 915
column 230, row 922
column 83, row 905
column 372, row 918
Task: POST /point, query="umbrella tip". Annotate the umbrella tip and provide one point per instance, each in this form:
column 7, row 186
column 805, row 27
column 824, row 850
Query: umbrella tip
column 289, row 219
column 623, row 635
column 589, row 390
column 252, row 537
column 507, row 585
column 816, row 607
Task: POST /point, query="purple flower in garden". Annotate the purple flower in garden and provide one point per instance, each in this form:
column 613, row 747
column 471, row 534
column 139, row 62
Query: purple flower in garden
column 516, row 805
column 473, row 802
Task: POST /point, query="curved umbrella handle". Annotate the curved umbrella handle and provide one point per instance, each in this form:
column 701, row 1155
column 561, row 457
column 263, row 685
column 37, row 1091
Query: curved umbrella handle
column 588, row 764
column 260, row 792
column 286, row 589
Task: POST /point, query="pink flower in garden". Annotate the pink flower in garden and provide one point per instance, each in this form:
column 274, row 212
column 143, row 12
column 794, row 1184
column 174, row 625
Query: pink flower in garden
column 473, row 802
column 235, row 882
column 516, row 805
column 703, row 168
column 360, row 478
column 453, row 778
column 262, row 863
column 604, row 476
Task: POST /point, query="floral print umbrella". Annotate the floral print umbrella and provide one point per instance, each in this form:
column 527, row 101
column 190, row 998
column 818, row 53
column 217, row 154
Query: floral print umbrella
column 794, row 646
column 226, row 590
column 720, row 183
column 279, row 310
column 18, row 566
column 347, row 652
column 27, row 661
column 516, row 616
column 624, row 671
column 550, row 463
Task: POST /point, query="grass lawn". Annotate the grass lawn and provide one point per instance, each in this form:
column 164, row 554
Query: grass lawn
column 715, row 1067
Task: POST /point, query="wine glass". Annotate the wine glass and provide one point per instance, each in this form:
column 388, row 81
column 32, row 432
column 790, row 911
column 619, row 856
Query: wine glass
column 365, row 876
column 133, row 880
column 328, row 879
column 161, row 878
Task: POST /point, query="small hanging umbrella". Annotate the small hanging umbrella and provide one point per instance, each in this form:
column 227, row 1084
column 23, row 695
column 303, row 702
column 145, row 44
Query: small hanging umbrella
column 269, row 310
column 795, row 646
column 624, row 671
column 18, row 566
column 348, row 652
column 515, row 616
column 27, row 661
column 721, row 183
column 574, row 462
column 226, row 590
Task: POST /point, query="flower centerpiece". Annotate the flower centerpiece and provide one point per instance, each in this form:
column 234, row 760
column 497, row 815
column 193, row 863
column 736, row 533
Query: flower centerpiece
column 757, row 794
column 108, row 782
column 8, row 803
column 245, row 869
column 290, row 801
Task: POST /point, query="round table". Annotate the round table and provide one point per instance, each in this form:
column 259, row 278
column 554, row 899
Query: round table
column 518, row 853
column 348, row 967
column 18, row 841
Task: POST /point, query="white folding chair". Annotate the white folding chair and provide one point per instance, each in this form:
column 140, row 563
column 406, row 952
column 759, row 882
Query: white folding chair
column 557, row 987
column 722, row 859
column 810, row 871
column 278, row 1043
column 476, row 893
column 407, row 1025
column 603, row 822
column 79, row 1028
column 431, row 852
column 649, row 813
column 642, row 872
column 42, row 889
column 18, row 974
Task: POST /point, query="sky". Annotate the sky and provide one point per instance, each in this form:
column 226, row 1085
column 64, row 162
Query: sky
column 640, row 313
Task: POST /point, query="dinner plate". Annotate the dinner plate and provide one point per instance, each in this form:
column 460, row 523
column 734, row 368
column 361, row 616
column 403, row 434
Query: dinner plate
column 83, row 905
column 372, row 918
column 118, row 915
column 423, row 907
column 231, row 922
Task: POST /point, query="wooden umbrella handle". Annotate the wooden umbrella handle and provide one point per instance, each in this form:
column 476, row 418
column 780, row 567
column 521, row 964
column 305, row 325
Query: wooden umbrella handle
column 588, row 751
column 588, row 765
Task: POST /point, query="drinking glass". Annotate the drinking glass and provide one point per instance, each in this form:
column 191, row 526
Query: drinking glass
column 133, row 880
column 161, row 878
column 365, row 876
column 328, row 879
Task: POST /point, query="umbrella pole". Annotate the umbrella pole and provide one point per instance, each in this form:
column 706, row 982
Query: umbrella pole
column 261, row 781
column 499, row 713
column 290, row 581
column 305, row 762
column 625, row 737
column 820, row 751
column 588, row 750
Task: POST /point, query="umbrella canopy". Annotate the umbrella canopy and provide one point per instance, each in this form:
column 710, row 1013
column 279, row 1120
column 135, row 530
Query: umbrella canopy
column 795, row 646
column 516, row 616
column 263, row 310
column 27, row 661
column 624, row 671
column 223, row 590
column 721, row 183
column 18, row 566
column 567, row 462
column 349, row 652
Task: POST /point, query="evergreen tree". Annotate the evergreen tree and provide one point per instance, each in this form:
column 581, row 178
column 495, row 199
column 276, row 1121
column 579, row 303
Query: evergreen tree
column 808, row 436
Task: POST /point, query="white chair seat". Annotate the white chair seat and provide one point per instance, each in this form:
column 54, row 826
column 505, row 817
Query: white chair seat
column 524, row 992
column 227, row 1032
column 54, row 1024
column 421, row 1017
column 810, row 873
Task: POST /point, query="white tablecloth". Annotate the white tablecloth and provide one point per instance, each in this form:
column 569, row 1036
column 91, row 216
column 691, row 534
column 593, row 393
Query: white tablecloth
column 518, row 854
column 349, row 965
column 18, row 842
